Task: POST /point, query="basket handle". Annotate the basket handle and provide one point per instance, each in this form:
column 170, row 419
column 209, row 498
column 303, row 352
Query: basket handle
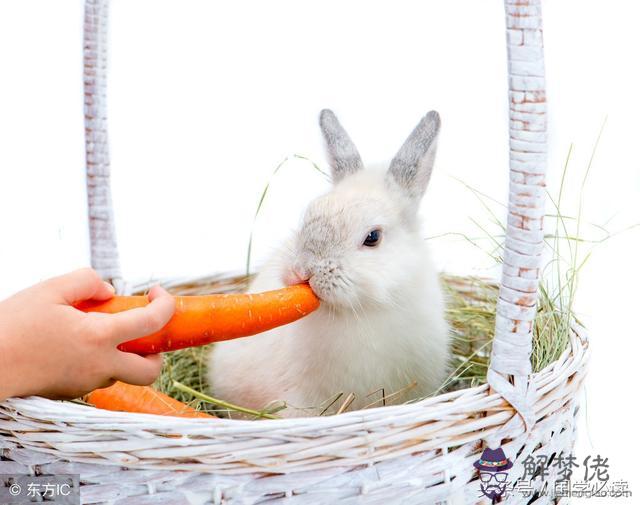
column 516, row 308
column 102, row 232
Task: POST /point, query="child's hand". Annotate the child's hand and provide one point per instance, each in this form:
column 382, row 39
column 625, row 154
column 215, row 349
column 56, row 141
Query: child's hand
column 49, row 348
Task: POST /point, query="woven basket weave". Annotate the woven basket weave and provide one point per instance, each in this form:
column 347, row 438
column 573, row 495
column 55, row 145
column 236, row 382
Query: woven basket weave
column 420, row 453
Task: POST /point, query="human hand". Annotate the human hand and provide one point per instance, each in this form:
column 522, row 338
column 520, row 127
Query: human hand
column 50, row 348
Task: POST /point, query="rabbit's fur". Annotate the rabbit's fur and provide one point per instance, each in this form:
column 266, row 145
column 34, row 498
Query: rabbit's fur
column 381, row 324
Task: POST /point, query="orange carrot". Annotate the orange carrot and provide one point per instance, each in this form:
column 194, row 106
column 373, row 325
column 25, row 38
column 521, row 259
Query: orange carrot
column 200, row 320
column 143, row 399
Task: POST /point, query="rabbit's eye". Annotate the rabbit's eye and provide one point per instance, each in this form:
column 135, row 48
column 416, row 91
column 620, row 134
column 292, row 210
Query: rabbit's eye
column 373, row 239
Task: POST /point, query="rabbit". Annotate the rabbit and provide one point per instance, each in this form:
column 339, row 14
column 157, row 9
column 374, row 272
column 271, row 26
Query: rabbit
column 381, row 326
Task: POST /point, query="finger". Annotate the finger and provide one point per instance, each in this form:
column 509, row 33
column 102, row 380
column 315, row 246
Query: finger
column 79, row 285
column 157, row 291
column 104, row 292
column 136, row 323
column 138, row 370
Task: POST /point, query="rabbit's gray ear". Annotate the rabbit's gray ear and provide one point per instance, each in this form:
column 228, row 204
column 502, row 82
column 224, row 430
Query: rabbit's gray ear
column 343, row 155
column 411, row 168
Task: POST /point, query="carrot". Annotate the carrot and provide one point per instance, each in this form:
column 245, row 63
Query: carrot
column 143, row 399
column 200, row 320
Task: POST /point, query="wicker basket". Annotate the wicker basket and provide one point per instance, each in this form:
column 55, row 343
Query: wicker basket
column 419, row 453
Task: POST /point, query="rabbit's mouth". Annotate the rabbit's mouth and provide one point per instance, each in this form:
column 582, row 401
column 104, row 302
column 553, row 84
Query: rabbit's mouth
column 326, row 277
column 332, row 291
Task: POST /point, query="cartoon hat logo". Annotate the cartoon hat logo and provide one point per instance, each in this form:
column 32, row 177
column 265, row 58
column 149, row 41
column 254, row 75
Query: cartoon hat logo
column 493, row 466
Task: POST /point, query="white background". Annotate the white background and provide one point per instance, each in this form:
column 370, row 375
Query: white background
column 206, row 98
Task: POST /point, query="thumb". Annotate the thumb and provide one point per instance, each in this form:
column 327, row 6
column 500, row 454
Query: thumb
column 80, row 285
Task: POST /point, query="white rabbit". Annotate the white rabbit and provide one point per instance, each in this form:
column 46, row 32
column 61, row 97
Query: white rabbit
column 381, row 324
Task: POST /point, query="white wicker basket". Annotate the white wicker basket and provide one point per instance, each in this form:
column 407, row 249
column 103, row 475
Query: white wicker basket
column 416, row 453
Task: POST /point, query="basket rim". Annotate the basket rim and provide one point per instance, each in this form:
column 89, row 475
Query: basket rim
column 85, row 434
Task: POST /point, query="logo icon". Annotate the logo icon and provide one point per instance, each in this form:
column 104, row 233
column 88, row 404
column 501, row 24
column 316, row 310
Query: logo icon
column 493, row 466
